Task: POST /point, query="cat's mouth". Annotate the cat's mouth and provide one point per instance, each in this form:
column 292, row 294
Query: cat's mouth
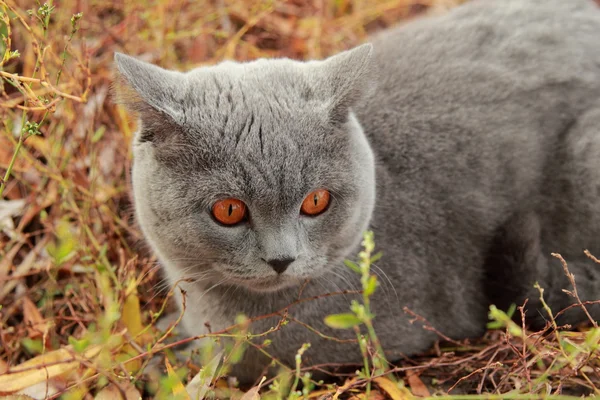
column 268, row 283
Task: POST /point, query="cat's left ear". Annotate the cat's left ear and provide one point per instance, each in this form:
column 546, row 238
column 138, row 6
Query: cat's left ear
column 349, row 77
column 155, row 93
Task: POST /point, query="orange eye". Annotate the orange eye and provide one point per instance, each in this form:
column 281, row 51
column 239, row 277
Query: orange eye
column 229, row 211
column 315, row 203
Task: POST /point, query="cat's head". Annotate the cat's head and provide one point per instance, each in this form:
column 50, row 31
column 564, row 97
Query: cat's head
column 256, row 174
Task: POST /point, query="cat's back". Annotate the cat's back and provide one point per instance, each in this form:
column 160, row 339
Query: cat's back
column 484, row 49
column 548, row 38
column 461, row 81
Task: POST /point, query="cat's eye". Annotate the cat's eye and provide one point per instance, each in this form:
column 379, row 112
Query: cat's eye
column 229, row 211
column 315, row 203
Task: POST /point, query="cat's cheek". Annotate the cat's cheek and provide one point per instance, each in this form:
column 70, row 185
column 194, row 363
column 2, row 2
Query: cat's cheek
column 227, row 238
column 318, row 231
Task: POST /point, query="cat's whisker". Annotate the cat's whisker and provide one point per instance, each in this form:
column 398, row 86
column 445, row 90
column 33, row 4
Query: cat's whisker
column 387, row 282
column 150, row 270
column 325, row 288
column 224, row 295
column 205, row 292
column 160, row 288
column 381, row 281
column 345, row 279
column 336, row 287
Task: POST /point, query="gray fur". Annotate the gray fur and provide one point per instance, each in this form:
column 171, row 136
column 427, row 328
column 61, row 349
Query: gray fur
column 478, row 130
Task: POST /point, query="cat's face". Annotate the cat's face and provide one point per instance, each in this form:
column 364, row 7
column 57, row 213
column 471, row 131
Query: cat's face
column 252, row 174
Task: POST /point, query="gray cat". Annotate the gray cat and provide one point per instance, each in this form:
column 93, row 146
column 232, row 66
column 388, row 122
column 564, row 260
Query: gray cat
column 468, row 142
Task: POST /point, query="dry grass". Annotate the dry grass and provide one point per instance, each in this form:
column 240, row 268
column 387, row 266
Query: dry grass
column 76, row 284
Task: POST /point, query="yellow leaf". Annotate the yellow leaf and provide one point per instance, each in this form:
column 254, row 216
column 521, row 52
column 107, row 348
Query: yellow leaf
column 43, row 367
column 75, row 393
column 179, row 389
column 392, row 389
column 347, row 385
column 221, row 383
column 132, row 315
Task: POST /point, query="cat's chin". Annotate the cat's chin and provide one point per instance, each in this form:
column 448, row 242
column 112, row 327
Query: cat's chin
column 268, row 284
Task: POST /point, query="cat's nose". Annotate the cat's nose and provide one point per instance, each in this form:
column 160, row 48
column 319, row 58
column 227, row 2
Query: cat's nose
column 279, row 265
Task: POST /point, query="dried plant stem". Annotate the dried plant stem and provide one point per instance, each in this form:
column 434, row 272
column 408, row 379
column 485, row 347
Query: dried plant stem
column 11, row 165
column 43, row 83
column 574, row 293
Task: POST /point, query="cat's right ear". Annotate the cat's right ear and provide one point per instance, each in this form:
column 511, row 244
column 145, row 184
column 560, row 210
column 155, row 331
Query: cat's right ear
column 349, row 77
column 153, row 92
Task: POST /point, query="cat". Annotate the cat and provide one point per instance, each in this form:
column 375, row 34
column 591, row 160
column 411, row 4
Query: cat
column 468, row 142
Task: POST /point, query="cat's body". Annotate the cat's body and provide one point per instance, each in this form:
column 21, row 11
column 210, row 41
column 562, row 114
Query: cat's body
column 484, row 126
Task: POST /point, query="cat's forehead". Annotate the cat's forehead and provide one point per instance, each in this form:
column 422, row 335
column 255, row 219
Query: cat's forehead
column 263, row 106
column 282, row 77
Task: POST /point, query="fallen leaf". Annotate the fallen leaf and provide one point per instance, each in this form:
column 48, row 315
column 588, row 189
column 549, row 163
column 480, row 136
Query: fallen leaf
column 373, row 395
column 392, row 389
column 252, row 394
column 376, row 395
column 321, row 394
column 7, row 260
column 35, row 323
column 42, row 368
column 346, row 386
column 200, row 384
column 40, row 391
column 417, row 387
column 3, row 366
column 8, row 210
column 111, row 392
column 6, row 151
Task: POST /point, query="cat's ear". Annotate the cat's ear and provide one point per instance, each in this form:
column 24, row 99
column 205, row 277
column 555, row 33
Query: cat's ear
column 349, row 76
column 153, row 92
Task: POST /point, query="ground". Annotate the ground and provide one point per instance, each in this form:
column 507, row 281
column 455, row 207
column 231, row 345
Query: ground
column 80, row 294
